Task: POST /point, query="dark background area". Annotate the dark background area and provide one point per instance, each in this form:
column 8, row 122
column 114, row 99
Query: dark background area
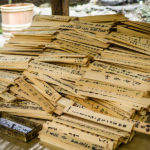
column 39, row 2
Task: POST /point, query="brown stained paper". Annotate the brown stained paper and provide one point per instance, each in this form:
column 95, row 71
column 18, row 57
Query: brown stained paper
column 35, row 95
column 78, row 47
column 54, row 69
column 141, row 127
column 46, row 89
column 131, row 105
column 14, row 66
column 71, row 76
column 57, row 54
column 138, row 42
column 110, row 87
column 8, row 76
column 129, row 60
column 126, row 60
column 96, row 107
column 99, row 118
column 65, row 102
column 69, row 86
column 7, row 97
column 92, row 124
column 18, row 107
column 74, row 141
column 56, row 143
column 81, row 39
column 64, row 59
column 115, row 79
column 125, row 112
column 81, row 126
column 5, row 84
column 105, row 25
column 14, row 59
column 131, row 32
column 80, row 134
column 20, row 53
column 54, row 75
column 103, row 18
column 35, row 33
column 3, row 88
column 133, row 74
column 62, row 90
column 49, row 24
column 35, row 115
column 88, row 92
column 144, row 101
column 20, row 92
column 25, row 110
column 100, row 74
column 98, row 29
column 45, row 18
column 95, row 28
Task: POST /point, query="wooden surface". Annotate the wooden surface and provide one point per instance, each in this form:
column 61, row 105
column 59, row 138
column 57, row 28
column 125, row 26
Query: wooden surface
column 140, row 142
column 60, row 7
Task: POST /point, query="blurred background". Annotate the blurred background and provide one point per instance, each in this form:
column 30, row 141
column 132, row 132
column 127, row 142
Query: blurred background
column 136, row 10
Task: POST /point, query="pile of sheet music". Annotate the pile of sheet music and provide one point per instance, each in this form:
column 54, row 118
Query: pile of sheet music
column 89, row 76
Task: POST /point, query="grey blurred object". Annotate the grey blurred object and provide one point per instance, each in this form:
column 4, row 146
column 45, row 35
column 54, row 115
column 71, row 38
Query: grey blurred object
column 75, row 2
column 116, row 2
column 113, row 2
column 132, row 1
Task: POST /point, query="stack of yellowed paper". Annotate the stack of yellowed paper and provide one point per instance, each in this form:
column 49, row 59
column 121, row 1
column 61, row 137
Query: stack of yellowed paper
column 88, row 78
